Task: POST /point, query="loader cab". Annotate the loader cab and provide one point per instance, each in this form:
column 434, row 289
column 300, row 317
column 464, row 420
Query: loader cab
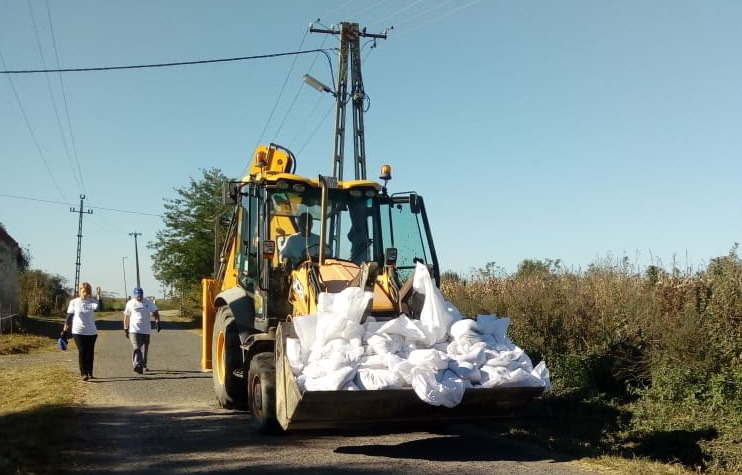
column 357, row 221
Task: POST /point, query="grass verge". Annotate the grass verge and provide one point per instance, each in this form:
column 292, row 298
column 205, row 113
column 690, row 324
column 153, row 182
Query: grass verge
column 37, row 401
column 36, row 404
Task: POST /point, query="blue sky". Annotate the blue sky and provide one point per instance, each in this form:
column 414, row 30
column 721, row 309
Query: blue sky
column 583, row 131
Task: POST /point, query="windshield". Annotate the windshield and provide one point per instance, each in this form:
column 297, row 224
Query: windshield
column 349, row 229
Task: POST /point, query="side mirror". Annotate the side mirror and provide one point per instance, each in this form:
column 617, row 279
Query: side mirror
column 416, row 203
column 230, row 192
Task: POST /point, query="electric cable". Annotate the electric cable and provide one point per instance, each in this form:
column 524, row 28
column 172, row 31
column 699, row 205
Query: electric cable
column 33, row 135
column 280, row 94
column 51, row 95
column 90, row 207
column 64, row 98
column 155, row 65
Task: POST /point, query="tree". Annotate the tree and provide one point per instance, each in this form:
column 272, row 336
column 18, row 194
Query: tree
column 42, row 294
column 184, row 251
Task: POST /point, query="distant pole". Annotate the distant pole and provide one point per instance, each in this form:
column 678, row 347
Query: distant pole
column 79, row 242
column 126, row 291
column 136, row 253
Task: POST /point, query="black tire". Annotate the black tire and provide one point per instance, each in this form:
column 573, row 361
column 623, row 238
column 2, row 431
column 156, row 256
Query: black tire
column 226, row 357
column 261, row 385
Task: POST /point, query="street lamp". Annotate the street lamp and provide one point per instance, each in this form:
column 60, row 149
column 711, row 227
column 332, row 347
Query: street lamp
column 126, row 292
column 310, row 81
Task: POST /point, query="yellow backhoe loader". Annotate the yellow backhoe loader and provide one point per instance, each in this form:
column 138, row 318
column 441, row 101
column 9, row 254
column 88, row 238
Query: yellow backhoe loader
column 367, row 237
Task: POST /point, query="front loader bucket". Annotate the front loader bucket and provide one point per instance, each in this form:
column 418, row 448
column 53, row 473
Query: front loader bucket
column 344, row 409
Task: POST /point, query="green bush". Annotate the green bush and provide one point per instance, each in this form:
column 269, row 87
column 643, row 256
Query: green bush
column 670, row 339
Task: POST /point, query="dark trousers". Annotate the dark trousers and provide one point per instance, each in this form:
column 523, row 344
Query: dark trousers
column 85, row 352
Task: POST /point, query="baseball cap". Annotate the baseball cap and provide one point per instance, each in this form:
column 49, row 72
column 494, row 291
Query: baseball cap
column 138, row 292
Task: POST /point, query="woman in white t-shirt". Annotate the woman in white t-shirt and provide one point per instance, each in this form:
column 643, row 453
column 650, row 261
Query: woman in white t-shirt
column 81, row 321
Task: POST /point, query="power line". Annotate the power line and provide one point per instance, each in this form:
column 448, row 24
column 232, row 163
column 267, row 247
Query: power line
column 157, row 65
column 30, row 131
column 90, row 207
column 51, row 95
column 64, row 97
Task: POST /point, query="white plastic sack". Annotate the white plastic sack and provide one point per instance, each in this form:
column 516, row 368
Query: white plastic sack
column 330, row 381
column 375, row 379
column 403, row 325
column 428, row 358
column 293, row 353
column 497, row 327
column 435, row 318
column 438, row 388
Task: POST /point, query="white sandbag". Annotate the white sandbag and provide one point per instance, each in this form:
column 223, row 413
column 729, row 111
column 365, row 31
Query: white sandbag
column 402, row 367
column 380, row 344
column 374, row 379
column 466, row 371
column 438, row 388
column 331, row 381
column 463, row 327
column 351, row 303
column 501, row 377
column 337, row 349
column 462, row 351
column 374, row 362
column 353, row 333
column 435, row 318
column 306, row 329
column 403, row 325
column 503, row 358
column 495, row 326
column 293, row 353
column 431, row 358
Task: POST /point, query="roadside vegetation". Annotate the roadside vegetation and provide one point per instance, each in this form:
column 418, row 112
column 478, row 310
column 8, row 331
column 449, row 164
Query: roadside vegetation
column 644, row 366
column 36, row 400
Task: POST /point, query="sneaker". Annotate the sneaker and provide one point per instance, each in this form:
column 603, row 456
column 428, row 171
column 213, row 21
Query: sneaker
column 85, row 378
column 138, row 369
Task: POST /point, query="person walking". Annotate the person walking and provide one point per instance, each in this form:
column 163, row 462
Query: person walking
column 81, row 321
column 138, row 315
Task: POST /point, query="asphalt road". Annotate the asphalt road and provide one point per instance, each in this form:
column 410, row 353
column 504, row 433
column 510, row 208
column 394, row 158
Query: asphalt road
column 168, row 421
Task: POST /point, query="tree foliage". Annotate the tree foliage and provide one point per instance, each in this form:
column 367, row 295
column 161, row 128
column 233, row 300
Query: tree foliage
column 42, row 294
column 184, row 249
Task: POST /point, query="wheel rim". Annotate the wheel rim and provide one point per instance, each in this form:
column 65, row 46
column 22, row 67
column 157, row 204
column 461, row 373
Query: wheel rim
column 221, row 369
column 257, row 397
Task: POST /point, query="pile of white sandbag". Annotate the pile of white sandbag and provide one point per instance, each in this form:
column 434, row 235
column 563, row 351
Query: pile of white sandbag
column 440, row 355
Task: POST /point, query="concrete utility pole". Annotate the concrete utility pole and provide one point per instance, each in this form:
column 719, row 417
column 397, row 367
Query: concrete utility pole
column 350, row 45
column 126, row 289
column 136, row 253
column 79, row 242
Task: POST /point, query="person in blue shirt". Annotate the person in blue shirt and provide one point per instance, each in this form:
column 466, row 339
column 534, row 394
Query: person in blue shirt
column 138, row 315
